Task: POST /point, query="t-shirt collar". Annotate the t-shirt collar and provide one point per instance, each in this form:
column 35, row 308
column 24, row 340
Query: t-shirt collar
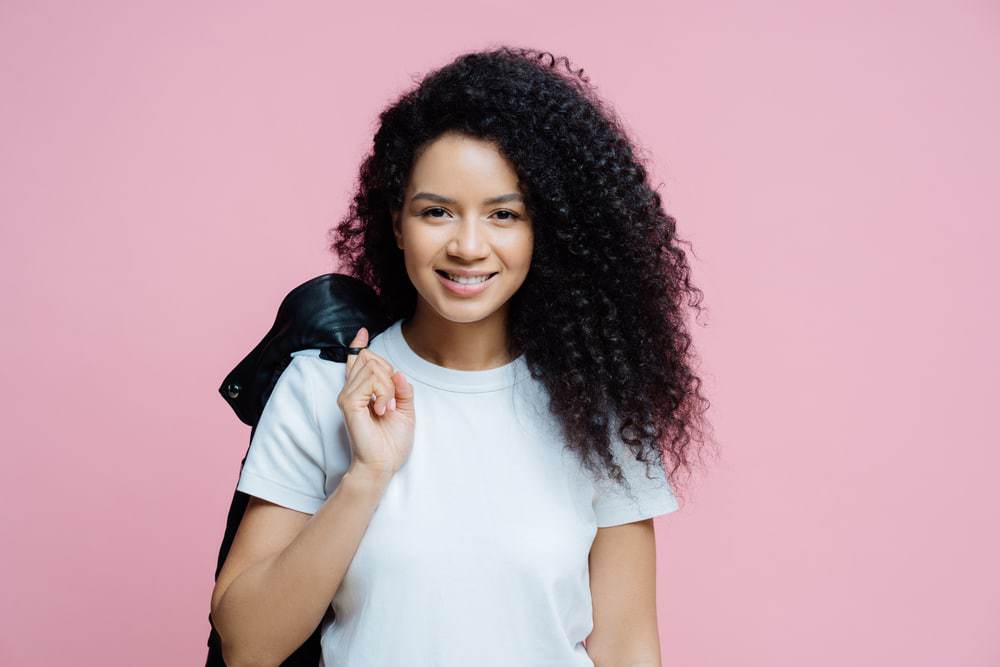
column 449, row 379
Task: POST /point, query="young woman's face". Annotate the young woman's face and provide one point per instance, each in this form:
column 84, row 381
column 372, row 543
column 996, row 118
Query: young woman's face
column 463, row 213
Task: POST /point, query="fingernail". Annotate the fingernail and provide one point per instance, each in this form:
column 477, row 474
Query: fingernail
column 392, row 403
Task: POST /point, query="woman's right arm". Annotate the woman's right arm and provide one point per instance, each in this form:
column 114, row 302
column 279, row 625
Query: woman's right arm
column 284, row 568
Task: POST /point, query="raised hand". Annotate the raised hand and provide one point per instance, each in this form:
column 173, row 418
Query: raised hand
column 377, row 403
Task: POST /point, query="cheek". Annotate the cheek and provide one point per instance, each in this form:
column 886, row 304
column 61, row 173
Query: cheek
column 418, row 249
column 518, row 251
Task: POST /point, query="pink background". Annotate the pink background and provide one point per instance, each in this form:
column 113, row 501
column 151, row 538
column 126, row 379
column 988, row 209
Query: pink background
column 169, row 171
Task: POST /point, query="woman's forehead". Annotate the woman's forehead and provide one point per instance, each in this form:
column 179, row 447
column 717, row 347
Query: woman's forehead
column 456, row 165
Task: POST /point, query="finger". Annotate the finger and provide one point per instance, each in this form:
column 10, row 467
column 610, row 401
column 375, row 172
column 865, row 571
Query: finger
column 360, row 340
column 403, row 395
column 373, row 357
column 359, row 376
column 369, row 385
column 387, row 372
column 382, row 387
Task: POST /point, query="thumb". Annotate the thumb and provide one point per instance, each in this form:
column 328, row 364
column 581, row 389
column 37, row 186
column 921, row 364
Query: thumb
column 360, row 340
column 404, row 392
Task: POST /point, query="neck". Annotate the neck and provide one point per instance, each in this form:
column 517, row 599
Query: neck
column 466, row 346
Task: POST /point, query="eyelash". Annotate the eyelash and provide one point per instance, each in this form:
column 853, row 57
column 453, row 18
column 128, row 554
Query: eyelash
column 424, row 214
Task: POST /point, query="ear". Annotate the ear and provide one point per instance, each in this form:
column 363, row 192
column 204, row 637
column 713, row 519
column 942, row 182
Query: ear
column 396, row 229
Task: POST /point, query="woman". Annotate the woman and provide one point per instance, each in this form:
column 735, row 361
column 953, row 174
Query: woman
column 476, row 485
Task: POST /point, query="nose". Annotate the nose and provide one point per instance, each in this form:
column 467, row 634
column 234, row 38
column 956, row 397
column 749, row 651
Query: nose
column 469, row 241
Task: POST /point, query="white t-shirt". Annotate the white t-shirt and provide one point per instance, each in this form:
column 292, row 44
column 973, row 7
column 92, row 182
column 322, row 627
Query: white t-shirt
column 478, row 551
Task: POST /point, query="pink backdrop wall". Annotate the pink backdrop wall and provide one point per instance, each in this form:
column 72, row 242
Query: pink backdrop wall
column 169, row 170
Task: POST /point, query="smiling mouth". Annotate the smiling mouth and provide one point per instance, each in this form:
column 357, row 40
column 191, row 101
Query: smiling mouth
column 464, row 280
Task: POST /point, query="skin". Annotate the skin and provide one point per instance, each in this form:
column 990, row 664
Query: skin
column 462, row 332
column 623, row 591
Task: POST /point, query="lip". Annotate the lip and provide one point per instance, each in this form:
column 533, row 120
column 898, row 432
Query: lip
column 465, row 290
column 464, row 272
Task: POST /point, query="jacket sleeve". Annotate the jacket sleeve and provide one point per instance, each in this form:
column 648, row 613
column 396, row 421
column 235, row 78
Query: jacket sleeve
column 644, row 498
column 286, row 460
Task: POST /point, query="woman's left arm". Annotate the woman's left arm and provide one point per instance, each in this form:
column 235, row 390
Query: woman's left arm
column 623, row 589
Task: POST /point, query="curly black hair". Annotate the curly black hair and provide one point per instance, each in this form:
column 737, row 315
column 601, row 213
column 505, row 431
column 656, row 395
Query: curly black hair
column 599, row 316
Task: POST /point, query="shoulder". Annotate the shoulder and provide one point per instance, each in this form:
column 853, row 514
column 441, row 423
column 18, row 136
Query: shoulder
column 319, row 373
column 325, row 378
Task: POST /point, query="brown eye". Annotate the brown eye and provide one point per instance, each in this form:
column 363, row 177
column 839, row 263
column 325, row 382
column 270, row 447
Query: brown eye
column 513, row 216
column 426, row 213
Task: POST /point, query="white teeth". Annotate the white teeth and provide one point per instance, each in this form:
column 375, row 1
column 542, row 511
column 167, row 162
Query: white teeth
column 468, row 281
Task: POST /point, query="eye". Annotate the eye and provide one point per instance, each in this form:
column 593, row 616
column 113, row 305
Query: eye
column 426, row 212
column 505, row 214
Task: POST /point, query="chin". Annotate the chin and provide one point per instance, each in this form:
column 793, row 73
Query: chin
column 465, row 314
column 463, row 311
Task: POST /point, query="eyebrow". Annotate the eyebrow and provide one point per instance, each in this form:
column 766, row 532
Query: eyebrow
column 512, row 196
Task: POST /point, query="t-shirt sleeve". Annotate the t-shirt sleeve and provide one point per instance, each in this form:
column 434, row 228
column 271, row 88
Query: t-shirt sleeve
column 285, row 462
column 615, row 504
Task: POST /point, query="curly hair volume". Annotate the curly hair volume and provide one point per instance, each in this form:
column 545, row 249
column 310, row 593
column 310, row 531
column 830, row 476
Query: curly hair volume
column 599, row 317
